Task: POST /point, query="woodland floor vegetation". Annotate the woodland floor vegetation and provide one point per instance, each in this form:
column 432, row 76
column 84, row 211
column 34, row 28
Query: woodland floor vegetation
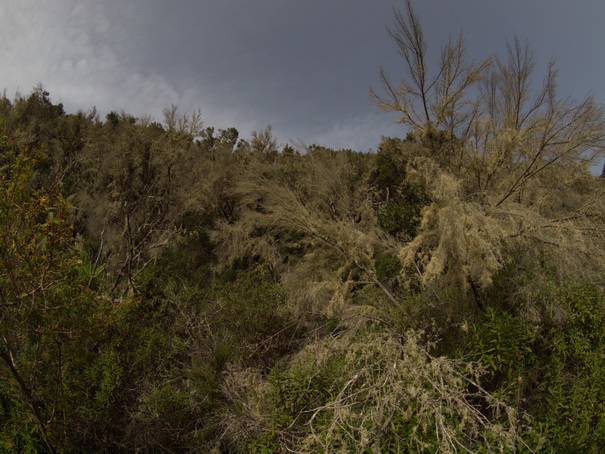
column 169, row 287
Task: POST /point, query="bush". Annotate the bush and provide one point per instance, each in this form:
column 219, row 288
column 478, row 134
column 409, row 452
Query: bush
column 571, row 402
column 553, row 371
column 371, row 391
column 504, row 345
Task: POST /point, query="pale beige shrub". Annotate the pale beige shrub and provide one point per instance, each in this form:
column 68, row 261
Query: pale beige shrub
column 386, row 393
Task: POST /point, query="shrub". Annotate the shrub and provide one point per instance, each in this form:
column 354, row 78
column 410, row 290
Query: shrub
column 571, row 402
column 371, row 391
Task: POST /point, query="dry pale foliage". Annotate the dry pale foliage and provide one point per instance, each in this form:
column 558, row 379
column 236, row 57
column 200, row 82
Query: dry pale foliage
column 388, row 393
column 136, row 186
column 320, row 205
column 510, row 172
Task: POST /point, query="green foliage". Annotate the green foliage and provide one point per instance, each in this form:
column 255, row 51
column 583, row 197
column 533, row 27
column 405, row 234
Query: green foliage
column 572, row 388
column 390, row 163
column 388, row 268
column 504, row 344
column 250, row 321
column 34, row 263
column 402, row 215
column 16, row 436
column 371, row 392
column 220, row 295
column 553, row 371
column 50, row 322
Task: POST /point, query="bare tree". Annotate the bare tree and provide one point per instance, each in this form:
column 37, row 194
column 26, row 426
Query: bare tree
column 190, row 124
column 424, row 98
column 489, row 109
column 511, row 169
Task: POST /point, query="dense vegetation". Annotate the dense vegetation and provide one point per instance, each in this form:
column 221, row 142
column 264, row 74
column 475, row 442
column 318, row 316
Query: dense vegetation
column 166, row 287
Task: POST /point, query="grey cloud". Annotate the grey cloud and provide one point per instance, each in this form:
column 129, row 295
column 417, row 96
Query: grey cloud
column 69, row 47
column 304, row 67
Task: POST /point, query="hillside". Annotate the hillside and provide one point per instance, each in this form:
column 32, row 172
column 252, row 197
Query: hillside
column 169, row 287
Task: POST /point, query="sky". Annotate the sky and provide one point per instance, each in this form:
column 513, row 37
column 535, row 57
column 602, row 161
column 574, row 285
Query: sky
column 303, row 67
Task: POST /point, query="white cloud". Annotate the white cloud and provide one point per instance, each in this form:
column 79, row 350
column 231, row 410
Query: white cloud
column 86, row 53
column 74, row 49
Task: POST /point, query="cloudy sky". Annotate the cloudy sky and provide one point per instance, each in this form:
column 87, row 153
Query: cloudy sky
column 304, row 67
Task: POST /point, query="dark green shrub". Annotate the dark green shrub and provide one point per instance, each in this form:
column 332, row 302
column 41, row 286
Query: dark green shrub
column 504, row 345
column 401, row 216
column 571, row 391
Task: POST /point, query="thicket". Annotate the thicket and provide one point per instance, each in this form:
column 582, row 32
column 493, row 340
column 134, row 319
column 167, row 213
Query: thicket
column 169, row 287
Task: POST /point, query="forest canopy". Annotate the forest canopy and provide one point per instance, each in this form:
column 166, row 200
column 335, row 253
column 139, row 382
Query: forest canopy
column 166, row 286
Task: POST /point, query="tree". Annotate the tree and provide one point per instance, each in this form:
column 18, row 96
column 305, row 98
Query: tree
column 43, row 311
column 505, row 165
column 135, row 187
column 189, row 124
column 426, row 100
column 310, row 219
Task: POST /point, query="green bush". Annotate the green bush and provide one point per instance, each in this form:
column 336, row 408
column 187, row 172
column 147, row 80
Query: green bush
column 371, row 391
column 556, row 372
column 402, row 216
column 571, row 402
column 504, row 345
